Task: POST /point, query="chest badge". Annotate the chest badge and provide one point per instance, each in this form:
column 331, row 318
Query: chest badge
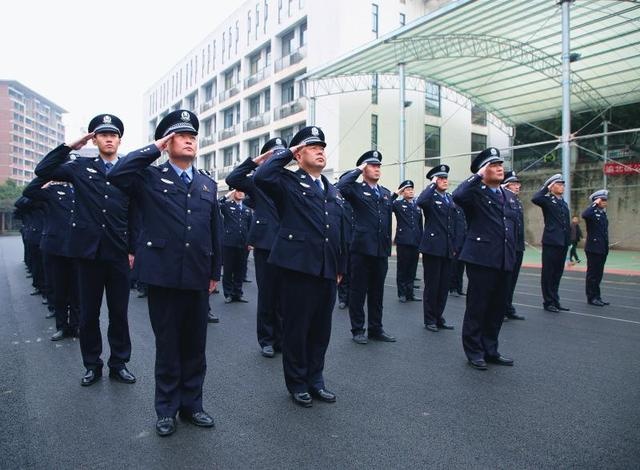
column 166, row 181
column 91, row 170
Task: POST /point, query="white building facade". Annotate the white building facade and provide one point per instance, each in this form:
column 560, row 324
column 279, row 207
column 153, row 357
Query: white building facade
column 243, row 82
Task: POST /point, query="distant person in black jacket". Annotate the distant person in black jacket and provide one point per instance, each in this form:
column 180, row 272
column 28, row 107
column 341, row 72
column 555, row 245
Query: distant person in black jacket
column 576, row 236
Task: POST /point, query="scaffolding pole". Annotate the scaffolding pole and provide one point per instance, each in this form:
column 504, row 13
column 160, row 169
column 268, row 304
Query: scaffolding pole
column 566, row 101
column 403, row 121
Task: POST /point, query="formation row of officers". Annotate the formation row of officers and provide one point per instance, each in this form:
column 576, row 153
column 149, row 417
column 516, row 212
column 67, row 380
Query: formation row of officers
column 104, row 217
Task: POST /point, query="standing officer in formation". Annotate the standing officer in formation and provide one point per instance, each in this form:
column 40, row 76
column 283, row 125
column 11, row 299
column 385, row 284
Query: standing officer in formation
column 512, row 183
column 457, row 266
column 437, row 246
column 309, row 251
column 370, row 246
column 264, row 227
column 555, row 239
column 236, row 223
column 408, row 235
column 349, row 227
column 32, row 213
column 99, row 239
column 596, row 244
column 179, row 259
column 489, row 251
column 63, row 280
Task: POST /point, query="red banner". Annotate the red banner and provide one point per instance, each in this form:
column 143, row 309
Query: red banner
column 615, row 168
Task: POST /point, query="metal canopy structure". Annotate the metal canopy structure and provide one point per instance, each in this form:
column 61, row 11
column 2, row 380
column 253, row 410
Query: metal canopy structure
column 506, row 56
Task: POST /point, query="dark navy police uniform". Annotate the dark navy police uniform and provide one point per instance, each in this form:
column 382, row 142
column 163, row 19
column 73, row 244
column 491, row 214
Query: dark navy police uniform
column 596, row 247
column 179, row 253
column 236, row 223
column 407, row 240
column 510, row 176
column 457, row 266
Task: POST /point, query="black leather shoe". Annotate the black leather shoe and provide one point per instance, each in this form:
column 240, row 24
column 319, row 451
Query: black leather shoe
column 514, row 316
column 122, row 375
column 267, row 351
column 302, row 399
column 241, row 300
column 35, row 292
column 402, row 299
column 563, row 309
column 415, row 286
column 604, row 302
column 382, row 336
column 478, row 364
column 91, row 376
column 50, row 314
column 141, row 295
column 444, row 326
column 433, row 328
column 360, row 338
column 228, row 300
column 58, row 335
column 198, row 418
column 461, row 293
column 596, row 302
column 324, row 395
column 415, row 299
column 552, row 308
column 247, row 281
column 165, row 426
column 342, row 305
column 213, row 318
column 500, row 360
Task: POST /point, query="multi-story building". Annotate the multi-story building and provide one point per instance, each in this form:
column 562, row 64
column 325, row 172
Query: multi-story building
column 243, row 82
column 30, row 125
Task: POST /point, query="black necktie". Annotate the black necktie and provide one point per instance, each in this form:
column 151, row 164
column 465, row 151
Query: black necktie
column 185, row 178
column 500, row 196
column 377, row 191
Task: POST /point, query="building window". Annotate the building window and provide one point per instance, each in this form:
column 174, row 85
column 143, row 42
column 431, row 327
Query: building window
column 287, row 133
column 224, row 43
column 257, row 19
column 254, row 106
column 403, row 19
column 249, row 23
column 229, row 81
column 478, row 116
column 266, row 16
column 279, row 11
column 287, row 42
column 227, row 157
column 287, row 91
column 237, row 35
column 432, row 99
column 267, row 100
column 374, row 131
column 431, row 145
column 254, row 147
column 303, row 34
column 289, row 8
column 374, row 88
column 254, row 63
column 206, row 161
column 267, row 56
column 228, row 118
column 374, row 18
column 478, row 143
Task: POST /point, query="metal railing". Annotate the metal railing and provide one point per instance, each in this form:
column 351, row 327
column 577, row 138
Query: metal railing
column 257, row 77
column 291, row 59
column 229, row 92
column 256, row 121
column 290, row 108
column 229, row 132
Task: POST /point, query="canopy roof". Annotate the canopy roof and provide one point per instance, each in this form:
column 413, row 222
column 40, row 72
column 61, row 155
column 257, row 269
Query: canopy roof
column 505, row 55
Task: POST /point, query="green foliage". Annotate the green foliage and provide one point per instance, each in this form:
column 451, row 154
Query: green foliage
column 9, row 192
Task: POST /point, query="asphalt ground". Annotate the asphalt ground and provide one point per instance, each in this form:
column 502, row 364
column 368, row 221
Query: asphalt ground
column 571, row 401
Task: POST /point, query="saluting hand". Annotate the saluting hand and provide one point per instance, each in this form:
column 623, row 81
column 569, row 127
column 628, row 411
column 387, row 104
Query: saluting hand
column 434, row 180
column 482, row 171
column 362, row 166
column 295, row 148
column 82, row 141
column 401, row 190
column 260, row 159
column 163, row 143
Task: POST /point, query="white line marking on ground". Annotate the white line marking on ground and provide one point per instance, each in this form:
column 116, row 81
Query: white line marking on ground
column 573, row 312
column 577, row 300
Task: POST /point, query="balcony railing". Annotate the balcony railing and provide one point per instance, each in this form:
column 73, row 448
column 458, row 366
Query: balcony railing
column 229, row 92
column 291, row 59
column 257, row 77
column 222, row 173
column 290, row 108
column 207, row 140
column 229, row 132
column 207, row 105
column 256, row 121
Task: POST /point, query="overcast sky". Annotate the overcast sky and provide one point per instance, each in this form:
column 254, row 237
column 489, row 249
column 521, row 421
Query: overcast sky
column 94, row 57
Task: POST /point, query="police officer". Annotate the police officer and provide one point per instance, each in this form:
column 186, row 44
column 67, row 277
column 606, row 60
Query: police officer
column 555, row 239
column 179, row 260
column 457, row 266
column 33, row 217
column 512, row 183
column 59, row 199
column 407, row 240
column 309, row 251
column 489, row 253
column 370, row 246
column 99, row 240
column 437, row 246
column 596, row 245
column 349, row 227
column 262, row 234
column 236, row 223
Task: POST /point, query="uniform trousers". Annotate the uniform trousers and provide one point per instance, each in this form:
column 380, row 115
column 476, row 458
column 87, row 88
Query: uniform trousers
column 367, row 281
column 407, row 259
column 343, row 287
column 65, row 292
column 47, row 287
column 553, row 259
column 457, row 274
column 437, row 271
column 595, row 271
column 306, row 304
column 234, row 270
column 269, row 320
column 37, row 267
column 179, row 322
column 485, row 310
column 95, row 277
column 513, row 280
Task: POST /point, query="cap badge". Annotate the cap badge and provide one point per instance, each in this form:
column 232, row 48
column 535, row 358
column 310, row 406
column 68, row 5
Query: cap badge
column 278, row 142
column 375, row 153
column 185, row 116
column 106, row 119
column 442, row 168
column 315, row 131
column 493, row 152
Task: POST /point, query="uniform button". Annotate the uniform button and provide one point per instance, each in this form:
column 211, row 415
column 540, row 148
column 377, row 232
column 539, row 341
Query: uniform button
column 187, row 244
column 189, row 195
column 188, row 227
column 164, row 190
column 103, row 225
column 108, row 184
column 73, row 224
column 326, row 213
column 106, row 196
column 188, row 211
column 71, row 210
column 257, row 222
column 104, row 211
column 149, row 243
column 478, row 239
column 290, row 237
column 326, row 239
column 328, row 225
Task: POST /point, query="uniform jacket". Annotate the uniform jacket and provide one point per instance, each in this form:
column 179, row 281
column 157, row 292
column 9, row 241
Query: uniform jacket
column 460, row 230
column 236, row 223
column 491, row 226
column 33, row 213
column 349, row 222
column 180, row 234
column 557, row 229
column 265, row 222
column 59, row 201
column 597, row 240
column 408, row 222
column 372, row 215
column 520, row 228
column 438, row 238
column 311, row 234
column 100, row 224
